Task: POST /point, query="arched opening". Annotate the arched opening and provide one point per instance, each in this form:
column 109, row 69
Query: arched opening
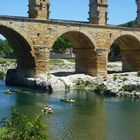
column 21, row 51
column 127, row 50
column 114, row 59
column 83, row 50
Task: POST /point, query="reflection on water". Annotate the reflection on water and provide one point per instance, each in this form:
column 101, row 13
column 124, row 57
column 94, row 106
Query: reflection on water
column 90, row 118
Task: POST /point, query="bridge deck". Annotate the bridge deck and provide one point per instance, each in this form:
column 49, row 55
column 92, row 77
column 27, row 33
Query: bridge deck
column 68, row 22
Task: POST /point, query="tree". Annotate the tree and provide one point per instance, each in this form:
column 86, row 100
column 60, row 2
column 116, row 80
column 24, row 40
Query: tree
column 61, row 44
column 5, row 48
column 114, row 54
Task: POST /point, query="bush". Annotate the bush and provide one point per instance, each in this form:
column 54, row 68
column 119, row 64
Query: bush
column 115, row 77
column 20, row 128
column 138, row 73
column 81, row 84
column 130, row 88
column 102, row 89
column 124, row 79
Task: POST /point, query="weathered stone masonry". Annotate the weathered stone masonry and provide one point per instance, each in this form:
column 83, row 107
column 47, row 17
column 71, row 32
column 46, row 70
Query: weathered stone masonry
column 34, row 37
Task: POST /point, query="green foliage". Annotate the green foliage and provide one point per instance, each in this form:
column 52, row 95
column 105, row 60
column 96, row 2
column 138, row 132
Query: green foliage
column 138, row 73
column 55, row 61
column 124, row 79
column 81, row 84
column 61, row 44
column 20, row 128
column 5, row 48
column 2, row 74
column 130, row 88
column 114, row 53
column 115, row 77
column 71, row 60
column 3, row 60
column 132, row 24
column 102, row 89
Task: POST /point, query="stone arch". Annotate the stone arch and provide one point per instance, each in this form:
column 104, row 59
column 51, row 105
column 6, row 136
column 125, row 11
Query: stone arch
column 22, row 49
column 84, row 50
column 130, row 51
column 69, row 33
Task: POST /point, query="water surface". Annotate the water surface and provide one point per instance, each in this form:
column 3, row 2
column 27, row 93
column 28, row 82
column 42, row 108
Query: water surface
column 90, row 118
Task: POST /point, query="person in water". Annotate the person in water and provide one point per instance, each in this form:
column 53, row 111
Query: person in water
column 47, row 108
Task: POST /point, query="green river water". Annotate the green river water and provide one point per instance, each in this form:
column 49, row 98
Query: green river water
column 91, row 117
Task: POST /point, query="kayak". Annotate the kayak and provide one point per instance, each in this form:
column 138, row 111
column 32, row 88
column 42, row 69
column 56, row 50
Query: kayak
column 47, row 111
column 68, row 100
column 50, row 111
column 8, row 91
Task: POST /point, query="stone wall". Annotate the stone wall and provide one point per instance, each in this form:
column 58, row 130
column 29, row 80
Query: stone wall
column 98, row 12
column 92, row 43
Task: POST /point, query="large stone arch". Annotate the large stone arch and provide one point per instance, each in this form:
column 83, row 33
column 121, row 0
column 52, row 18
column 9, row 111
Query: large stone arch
column 23, row 50
column 85, row 51
column 130, row 50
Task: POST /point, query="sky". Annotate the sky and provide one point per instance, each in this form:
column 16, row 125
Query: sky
column 119, row 11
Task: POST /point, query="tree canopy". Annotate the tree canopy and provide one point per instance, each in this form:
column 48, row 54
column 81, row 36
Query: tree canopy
column 5, row 48
column 61, row 45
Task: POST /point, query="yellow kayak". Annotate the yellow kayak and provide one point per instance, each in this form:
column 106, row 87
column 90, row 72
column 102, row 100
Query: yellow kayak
column 8, row 91
column 50, row 111
column 47, row 111
column 68, row 100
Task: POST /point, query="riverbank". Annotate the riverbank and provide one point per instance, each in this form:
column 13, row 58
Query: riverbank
column 116, row 84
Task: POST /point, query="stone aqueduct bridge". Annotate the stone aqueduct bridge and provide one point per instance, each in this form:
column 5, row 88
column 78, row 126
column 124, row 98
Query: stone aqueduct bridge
column 33, row 40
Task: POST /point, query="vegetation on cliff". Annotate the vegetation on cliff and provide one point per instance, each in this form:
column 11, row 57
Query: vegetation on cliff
column 132, row 24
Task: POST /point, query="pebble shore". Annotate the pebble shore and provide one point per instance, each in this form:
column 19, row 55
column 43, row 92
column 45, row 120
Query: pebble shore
column 67, row 79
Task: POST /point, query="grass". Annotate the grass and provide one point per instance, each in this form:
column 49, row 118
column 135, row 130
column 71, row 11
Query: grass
column 4, row 60
column 71, row 60
column 55, row 61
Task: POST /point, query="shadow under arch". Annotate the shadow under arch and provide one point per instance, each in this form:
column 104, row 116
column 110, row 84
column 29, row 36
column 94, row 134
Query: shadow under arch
column 84, row 50
column 22, row 50
column 130, row 52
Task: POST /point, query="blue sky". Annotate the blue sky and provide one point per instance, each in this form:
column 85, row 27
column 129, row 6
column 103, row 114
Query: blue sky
column 120, row 11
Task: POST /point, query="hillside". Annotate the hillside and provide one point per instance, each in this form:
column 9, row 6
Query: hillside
column 132, row 24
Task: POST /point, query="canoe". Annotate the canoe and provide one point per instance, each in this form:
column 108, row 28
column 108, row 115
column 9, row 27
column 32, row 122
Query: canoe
column 8, row 91
column 47, row 111
column 68, row 100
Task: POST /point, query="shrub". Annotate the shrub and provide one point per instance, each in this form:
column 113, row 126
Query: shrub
column 20, row 128
column 129, row 88
column 81, row 84
column 115, row 77
column 101, row 89
column 124, row 79
column 138, row 73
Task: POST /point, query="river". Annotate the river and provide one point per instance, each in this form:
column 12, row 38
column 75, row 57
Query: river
column 91, row 117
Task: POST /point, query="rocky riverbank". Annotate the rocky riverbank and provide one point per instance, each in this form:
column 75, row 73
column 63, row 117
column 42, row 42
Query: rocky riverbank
column 4, row 66
column 117, row 84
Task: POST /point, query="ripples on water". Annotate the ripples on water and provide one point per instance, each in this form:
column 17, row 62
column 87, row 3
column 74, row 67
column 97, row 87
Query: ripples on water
column 90, row 118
